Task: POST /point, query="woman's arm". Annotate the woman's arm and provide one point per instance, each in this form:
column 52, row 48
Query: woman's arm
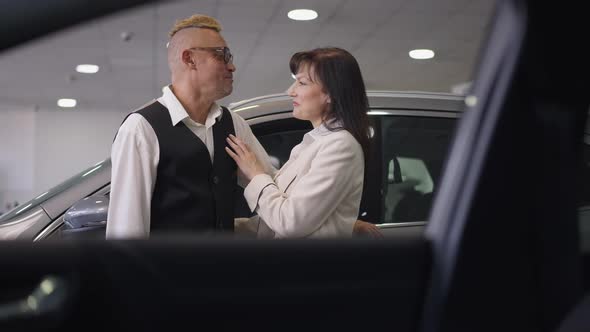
column 335, row 172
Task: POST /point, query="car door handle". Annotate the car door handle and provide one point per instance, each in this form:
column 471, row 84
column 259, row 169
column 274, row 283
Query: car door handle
column 49, row 297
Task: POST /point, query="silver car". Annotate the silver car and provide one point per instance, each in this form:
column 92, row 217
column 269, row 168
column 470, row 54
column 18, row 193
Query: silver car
column 411, row 132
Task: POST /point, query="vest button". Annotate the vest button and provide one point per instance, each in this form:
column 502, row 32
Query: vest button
column 215, row 180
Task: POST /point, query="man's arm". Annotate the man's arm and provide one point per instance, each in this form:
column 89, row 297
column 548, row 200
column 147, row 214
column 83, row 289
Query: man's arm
column 134, row 158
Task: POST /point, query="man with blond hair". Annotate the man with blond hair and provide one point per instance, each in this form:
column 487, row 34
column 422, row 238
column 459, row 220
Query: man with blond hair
column 170, row 172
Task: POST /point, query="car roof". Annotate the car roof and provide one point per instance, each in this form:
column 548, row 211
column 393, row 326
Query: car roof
column 378, row 99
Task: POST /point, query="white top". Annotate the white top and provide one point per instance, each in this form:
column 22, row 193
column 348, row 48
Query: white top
column 317, row 193
column 135, row 154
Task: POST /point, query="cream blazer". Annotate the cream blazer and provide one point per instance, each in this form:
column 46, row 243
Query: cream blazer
column 317, row 193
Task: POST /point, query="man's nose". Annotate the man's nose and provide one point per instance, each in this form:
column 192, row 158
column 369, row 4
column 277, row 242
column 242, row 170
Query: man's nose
column 231, row 67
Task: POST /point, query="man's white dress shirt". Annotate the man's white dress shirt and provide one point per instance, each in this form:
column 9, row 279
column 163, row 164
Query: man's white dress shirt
column 135, row 155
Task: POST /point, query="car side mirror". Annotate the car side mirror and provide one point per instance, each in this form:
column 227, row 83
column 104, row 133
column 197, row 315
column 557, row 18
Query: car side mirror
column 90, row 212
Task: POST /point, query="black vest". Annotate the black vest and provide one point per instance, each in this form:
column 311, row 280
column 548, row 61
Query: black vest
column 190, row 193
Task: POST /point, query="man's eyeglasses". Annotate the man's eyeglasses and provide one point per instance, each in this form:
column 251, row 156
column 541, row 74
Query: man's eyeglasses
column 220, row 52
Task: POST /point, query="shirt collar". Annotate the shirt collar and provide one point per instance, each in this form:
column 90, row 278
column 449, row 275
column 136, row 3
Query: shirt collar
column 178, row 113
column 322, row 130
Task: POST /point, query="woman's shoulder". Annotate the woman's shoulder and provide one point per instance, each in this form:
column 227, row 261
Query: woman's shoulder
column 340, row 135
column 341, row 140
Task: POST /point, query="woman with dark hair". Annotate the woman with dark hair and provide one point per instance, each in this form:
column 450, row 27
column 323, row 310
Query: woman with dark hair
column 317, row 193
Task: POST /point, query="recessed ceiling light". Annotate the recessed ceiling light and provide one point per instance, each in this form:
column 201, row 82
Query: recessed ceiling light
column 302, row 14
column 421, row 54
column 87, row 69
column 66, row 102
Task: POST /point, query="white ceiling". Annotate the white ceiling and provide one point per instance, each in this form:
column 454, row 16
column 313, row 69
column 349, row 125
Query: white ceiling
column 378, row 32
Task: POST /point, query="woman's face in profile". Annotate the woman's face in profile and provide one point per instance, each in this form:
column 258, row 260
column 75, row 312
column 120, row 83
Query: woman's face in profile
column 309, row 99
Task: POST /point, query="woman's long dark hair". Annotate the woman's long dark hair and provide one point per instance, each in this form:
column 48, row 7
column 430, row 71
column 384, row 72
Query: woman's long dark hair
column 340, row 75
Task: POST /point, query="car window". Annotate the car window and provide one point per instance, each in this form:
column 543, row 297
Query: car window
column 72, row 123
column 414, row 150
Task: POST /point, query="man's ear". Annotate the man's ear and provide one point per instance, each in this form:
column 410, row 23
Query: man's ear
column 187, row 59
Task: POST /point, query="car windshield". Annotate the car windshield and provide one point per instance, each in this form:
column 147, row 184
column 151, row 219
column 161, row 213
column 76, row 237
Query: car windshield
column 39, row 199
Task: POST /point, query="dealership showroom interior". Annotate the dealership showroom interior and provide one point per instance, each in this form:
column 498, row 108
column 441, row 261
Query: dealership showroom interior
column 407, row 165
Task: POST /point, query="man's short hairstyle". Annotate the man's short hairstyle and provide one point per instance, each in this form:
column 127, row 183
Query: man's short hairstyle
column 195, row 21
